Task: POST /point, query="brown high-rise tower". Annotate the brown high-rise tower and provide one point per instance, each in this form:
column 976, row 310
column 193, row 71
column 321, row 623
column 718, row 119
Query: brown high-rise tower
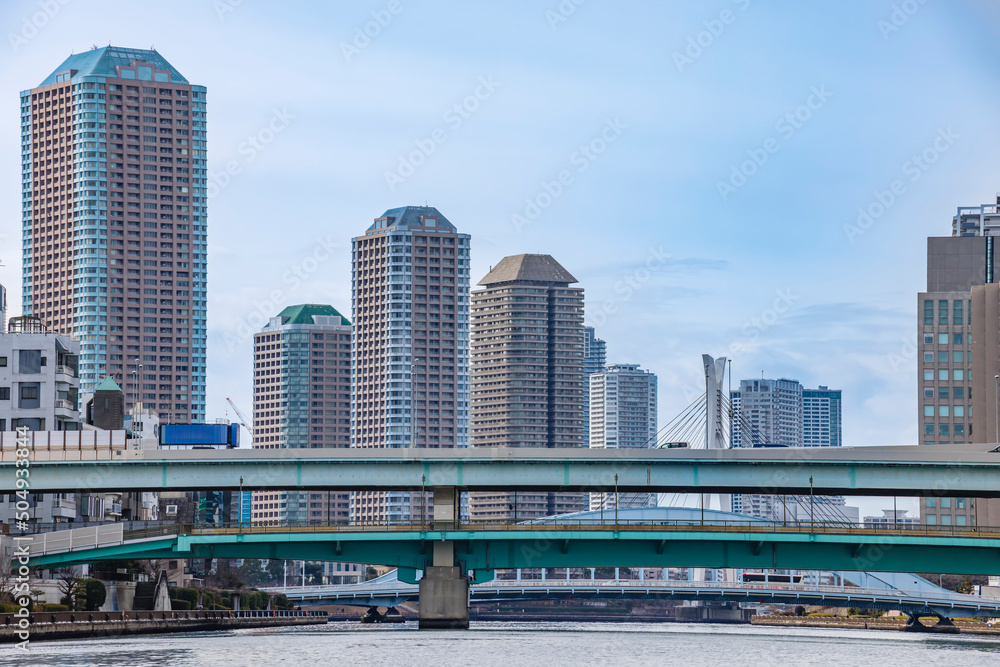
column 114, row 222
column 527, row 373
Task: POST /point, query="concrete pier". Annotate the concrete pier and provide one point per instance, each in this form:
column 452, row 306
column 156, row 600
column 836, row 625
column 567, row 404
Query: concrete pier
column 444, row 599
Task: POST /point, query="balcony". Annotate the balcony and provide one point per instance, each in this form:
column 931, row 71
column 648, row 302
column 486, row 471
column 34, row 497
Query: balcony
column 66, row 370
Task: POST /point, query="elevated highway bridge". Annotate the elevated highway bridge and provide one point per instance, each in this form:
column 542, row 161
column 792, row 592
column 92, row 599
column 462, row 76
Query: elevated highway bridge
column 958, row 470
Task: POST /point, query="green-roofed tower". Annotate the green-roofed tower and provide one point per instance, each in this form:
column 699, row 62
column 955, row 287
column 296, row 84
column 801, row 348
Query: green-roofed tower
column 302, row 399
column 114, row 215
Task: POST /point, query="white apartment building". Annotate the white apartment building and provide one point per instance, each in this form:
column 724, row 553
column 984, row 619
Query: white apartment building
column 622, row 416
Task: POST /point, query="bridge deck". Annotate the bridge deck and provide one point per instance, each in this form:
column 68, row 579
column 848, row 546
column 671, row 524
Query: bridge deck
column 970, row 470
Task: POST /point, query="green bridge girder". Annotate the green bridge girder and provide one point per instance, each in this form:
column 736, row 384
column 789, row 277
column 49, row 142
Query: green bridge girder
column 605, row 547
column 966, row 471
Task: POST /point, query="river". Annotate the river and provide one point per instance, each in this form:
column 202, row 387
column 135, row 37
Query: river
column 518, row 644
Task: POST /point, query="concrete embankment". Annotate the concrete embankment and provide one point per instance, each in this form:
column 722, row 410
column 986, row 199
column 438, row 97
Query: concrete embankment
column 82, row 624
column 898, row 624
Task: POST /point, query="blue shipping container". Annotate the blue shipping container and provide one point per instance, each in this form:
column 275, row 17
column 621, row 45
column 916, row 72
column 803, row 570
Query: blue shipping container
column 200, row 434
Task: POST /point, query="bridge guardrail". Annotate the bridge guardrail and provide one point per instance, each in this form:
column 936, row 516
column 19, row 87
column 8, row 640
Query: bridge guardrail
column 828, row 527
column 581, row 584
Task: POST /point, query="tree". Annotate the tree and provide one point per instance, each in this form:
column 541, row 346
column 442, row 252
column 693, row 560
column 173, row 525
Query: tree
column 68, row 588
column 275, row 570
column 314, row 572
column 252, row 572
column 94, row 594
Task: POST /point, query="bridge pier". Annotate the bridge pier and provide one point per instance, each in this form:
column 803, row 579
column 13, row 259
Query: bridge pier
column 444, row 588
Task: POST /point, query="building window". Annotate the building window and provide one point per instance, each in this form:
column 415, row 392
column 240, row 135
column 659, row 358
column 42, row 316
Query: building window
column 931, row 519
column 28, row 395
column 958, row 374
column 942, row 411
column 3, row 362
column 931, row 502
column 928, row 357
column 958, row 356
column 929, row 392
column 960, row 520
column 942, row 339
column 928, row 411
column 959, row 429
column 29, row 362
column 943, row 374
column 946, row 503
column 957, row 312
column 928, row 339
column 943, row 429
column 943, row 311
column 942, row 356
column 959, row 411
column 958, row 392
column 928, row 312
column 928, row 429
column 960, row 503
column 957, row 338
column 928, row 375
column 945, row 519
column 4, row 394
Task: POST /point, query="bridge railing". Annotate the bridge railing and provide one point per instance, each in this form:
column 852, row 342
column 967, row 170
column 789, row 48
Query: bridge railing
column 137, row 530
column 734, row 585
column 313, row 592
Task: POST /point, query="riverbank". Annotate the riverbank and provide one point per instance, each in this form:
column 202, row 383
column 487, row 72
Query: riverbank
column 897, row 624
column 82, row 624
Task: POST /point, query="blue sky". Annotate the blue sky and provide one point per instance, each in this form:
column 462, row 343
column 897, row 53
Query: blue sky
column 606, row 136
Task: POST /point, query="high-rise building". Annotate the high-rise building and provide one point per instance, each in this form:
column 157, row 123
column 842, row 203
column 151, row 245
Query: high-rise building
column 769, row 413
column 955, row 323
column 410, row 363
column 527, row 373
column 302, row 399
column 622, row 416
column 821, row 417
column 113, row 158
column 595, row 356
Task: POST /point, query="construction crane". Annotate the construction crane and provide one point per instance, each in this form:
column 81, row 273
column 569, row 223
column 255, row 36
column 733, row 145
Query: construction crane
column 243, row 419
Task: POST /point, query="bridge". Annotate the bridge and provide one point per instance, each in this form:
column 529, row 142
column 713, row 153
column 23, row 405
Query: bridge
column 450, row 554
column 388, row 591
column 958, row 470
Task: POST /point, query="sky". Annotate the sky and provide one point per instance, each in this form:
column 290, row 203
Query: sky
column 739, row 178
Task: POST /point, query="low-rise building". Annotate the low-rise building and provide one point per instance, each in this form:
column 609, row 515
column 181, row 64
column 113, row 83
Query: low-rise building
column 39, row 384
